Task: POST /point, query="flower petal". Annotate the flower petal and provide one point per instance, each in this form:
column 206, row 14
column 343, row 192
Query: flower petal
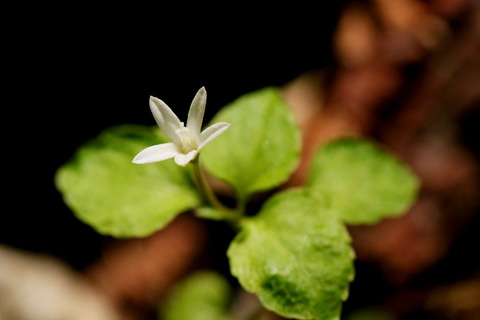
column 156, row 153
column 183, row 159
column 165, row 118
column 197, row 109
column 212, row 132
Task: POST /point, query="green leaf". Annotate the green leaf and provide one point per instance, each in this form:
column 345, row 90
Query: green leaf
column 116, row 197
column 202, row 296
column 260, row 149
column 296, row 256
column 209, row 213
column 361, row 181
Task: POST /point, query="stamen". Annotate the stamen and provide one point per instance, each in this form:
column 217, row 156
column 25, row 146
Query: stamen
column 188, row 144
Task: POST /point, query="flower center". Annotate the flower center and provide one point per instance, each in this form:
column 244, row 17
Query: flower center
column 188, row 143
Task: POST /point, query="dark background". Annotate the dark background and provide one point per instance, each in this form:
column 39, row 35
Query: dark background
column 69, row 73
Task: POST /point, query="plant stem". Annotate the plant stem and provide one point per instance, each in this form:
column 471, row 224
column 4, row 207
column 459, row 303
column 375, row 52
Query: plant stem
column 241, row 204
column 202, row 183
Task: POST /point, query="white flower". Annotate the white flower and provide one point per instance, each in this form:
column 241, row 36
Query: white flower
column 187, row 141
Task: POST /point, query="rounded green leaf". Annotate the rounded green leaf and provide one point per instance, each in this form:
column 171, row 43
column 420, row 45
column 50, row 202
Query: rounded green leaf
column 260, row 149
column 361, row 181
column 204, row 295
column 296, row 256
column 116, row 197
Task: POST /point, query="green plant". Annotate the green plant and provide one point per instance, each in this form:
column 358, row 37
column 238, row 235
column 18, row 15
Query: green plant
column 295, row 253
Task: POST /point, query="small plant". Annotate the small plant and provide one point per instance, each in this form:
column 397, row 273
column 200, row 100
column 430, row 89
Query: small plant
column 295, row 253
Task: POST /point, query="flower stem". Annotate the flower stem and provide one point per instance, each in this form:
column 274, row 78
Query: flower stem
column 202, row 183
